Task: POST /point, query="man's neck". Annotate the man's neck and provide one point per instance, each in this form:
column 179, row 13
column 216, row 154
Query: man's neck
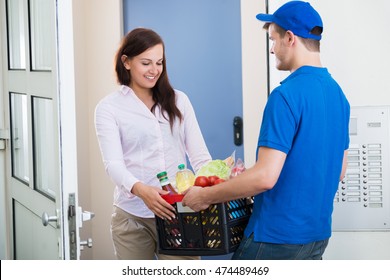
column 307, row 59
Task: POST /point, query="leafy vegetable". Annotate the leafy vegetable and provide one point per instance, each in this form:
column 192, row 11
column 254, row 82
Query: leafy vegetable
column 215, row 167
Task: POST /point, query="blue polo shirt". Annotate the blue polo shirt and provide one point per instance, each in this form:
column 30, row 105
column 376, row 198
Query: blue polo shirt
column 307, row 118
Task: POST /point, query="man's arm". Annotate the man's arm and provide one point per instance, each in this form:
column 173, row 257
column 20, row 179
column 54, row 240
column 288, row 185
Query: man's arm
column 259, row 178
column 344, row 167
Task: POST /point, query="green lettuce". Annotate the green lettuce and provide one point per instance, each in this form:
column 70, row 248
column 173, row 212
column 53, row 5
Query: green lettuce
column 215, row 167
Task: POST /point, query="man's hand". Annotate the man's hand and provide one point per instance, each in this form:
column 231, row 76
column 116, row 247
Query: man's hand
column 196, row 198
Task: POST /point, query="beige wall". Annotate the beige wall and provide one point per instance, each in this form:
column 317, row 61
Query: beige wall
column 98, row 32
column 254, row 74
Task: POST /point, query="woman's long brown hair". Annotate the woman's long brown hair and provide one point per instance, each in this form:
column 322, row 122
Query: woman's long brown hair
column 134, row 43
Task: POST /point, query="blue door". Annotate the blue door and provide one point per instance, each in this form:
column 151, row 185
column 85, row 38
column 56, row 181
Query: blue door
column 203, row 50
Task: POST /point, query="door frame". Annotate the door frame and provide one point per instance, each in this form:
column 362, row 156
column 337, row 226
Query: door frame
column 4, row 238
column 67, row 117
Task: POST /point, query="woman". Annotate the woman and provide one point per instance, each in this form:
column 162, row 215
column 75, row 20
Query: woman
column 143, row 128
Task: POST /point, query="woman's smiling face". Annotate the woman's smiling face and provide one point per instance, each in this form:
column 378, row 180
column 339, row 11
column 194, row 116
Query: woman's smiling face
column 146, row 68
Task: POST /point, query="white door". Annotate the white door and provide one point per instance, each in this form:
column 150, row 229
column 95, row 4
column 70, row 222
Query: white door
column 40, row 186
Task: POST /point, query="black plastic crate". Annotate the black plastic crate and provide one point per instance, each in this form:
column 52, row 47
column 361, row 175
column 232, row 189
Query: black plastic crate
column 217, row 230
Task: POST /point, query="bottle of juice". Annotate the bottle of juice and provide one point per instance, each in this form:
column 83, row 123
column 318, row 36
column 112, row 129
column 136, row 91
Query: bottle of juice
column 165, row 183
column 185, row 178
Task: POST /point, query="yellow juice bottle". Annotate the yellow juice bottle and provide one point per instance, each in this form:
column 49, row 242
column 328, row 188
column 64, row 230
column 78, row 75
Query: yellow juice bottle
column 185, row 178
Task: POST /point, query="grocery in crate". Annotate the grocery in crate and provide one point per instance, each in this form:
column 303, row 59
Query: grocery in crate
column 216, row 230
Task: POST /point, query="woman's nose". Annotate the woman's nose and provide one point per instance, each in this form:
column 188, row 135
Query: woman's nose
column 153, row 68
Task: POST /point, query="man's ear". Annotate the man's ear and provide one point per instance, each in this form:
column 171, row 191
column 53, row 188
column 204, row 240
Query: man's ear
column 290, row 36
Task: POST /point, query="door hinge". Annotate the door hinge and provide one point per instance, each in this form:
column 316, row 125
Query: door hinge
column 4, row 135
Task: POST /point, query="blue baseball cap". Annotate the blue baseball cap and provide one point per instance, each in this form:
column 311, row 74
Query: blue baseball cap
column 296, row 16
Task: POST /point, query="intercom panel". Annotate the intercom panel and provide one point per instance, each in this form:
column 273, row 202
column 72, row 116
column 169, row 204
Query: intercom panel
column 362, row 201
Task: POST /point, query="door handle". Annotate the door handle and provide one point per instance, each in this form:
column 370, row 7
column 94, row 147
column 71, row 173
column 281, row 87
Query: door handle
column 237, row 130
column 86, row 215
column 87, row 243
column 46, row 219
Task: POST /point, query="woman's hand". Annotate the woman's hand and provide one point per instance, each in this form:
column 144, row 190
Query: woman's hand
column 153, row 200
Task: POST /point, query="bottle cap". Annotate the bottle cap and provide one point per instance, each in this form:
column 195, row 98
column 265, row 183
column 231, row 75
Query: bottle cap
column 182, row 166
column 161, row 174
